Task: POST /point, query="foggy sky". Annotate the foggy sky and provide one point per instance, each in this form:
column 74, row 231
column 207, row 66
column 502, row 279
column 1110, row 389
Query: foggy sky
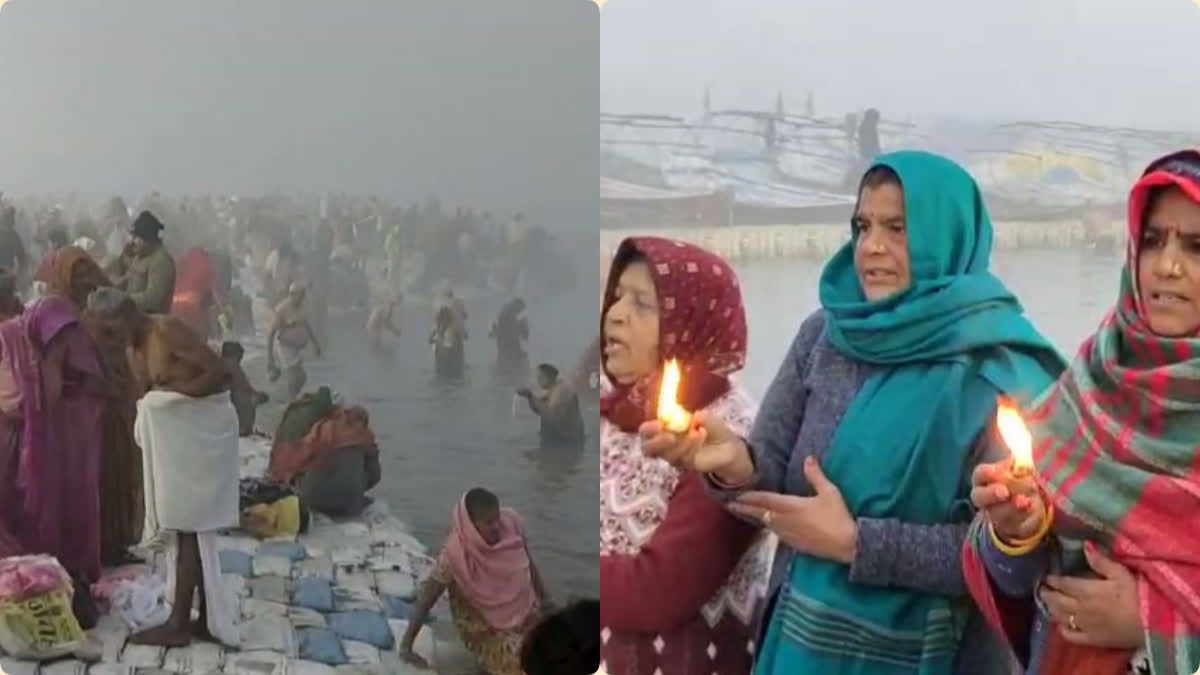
column 487, row 104
column 1112, row 62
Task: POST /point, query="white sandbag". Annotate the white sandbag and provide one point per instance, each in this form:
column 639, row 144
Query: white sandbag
column 64, row 668
column 352, row 577
column 256, row 663
column 143, row 656
column 398, row 584
column 320, row 567
column 301, row 667
column 302, row 617
column 199, row 658
column 253, row 607
column 270, row 564
column 350, row 598
column 393, row 559
column 11, row 666
column 269, row 633
column 351, row 554
column 112, row 634
column 361, row 653
column 110, row 668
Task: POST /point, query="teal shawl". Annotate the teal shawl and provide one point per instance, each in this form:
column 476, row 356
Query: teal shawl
column 946, row 348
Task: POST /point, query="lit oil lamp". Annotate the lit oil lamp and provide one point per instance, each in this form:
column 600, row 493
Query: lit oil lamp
column 672, row 415
column 1020, row 443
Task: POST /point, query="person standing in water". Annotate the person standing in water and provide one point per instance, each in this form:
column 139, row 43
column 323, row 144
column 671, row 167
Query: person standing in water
column 317, row 271
column 383, row 320
column 511, row 333
column 294, row 333
column 145, row 270
column 557, row 404
column 447, row 340
column 457, row 306
column 282, row 269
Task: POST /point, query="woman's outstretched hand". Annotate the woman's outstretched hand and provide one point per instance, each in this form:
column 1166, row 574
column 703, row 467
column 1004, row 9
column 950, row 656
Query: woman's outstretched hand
column 708, row 446
column 821, row 526
column 1013, row 506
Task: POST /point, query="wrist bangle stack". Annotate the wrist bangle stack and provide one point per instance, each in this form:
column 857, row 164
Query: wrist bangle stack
column 1022, row 546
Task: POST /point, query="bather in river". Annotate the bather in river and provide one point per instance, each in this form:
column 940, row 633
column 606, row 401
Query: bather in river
column 447, row 340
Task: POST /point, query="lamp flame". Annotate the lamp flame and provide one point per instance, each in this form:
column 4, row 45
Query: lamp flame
column 1015, row 434
column 670, row 413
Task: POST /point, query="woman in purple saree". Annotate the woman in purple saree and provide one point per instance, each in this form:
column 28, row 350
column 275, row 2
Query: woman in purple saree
column 51, row 384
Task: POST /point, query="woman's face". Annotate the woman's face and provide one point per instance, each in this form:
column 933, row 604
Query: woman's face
column 881, row 252
column 488, row 526
column 631, row 325
column 1168, row 266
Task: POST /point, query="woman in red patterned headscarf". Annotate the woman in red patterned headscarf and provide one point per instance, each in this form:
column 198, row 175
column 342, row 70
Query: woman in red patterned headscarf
column 680, row 578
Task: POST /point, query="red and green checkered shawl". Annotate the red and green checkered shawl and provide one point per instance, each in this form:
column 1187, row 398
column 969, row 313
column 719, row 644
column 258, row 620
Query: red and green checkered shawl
column 1117, row 447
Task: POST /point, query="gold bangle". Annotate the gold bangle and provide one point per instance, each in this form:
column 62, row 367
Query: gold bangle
column 1023, row 546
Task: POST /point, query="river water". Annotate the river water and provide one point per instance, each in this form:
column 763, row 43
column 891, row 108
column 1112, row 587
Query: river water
column 1066, row 293
column 440, row 439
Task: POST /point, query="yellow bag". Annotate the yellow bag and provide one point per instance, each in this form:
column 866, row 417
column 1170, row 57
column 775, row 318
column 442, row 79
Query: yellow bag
column 40, row 627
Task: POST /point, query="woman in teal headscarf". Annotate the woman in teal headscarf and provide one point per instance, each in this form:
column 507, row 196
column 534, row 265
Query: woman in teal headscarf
column 861, row 454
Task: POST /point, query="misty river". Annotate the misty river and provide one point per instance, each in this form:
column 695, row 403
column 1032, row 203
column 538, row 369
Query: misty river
column 438, row 439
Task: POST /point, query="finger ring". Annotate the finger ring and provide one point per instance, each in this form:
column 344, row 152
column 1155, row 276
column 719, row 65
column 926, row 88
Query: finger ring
column 1071, row 624
column 766, row 518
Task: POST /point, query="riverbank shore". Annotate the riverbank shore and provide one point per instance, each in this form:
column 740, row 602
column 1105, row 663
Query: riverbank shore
column 371, row 563
column 817, row 242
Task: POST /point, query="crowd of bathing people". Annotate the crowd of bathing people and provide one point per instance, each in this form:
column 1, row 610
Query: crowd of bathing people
column 123, row 398
column 868, row 517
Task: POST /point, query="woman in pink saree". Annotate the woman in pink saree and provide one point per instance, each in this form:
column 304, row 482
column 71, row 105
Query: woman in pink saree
column 51, row 385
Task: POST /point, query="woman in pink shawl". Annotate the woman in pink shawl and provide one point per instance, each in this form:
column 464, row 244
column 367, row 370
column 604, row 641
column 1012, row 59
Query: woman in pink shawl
column 496, row 593
column 52, row 385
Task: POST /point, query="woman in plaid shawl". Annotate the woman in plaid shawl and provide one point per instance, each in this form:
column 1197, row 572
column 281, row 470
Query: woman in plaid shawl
column 1118, row 467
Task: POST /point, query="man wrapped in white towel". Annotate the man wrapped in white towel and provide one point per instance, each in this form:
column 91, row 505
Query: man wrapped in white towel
column 187, row 429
